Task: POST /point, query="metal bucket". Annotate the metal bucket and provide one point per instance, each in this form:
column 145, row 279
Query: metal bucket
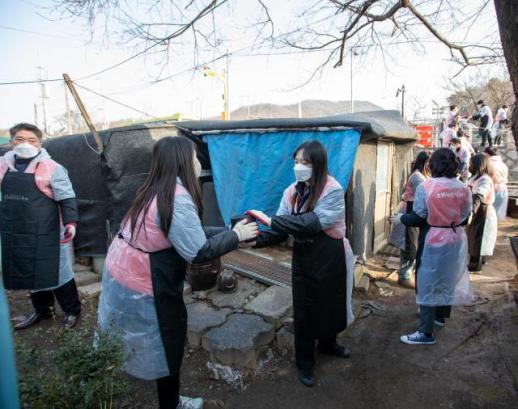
column 203, row 276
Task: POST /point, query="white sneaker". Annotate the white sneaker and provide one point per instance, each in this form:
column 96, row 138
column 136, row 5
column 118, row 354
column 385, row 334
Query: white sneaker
column 190, row 403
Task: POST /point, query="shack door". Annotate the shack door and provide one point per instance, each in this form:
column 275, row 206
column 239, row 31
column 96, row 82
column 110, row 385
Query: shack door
column 384, row 160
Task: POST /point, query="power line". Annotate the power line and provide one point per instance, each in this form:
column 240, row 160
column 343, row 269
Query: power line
column 115, row 101
column 31, row 81
column 21, row 30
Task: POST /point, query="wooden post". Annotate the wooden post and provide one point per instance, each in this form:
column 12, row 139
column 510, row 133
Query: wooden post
column 82, row 108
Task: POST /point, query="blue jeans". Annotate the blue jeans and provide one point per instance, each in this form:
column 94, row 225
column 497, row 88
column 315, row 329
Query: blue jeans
column 429, row 314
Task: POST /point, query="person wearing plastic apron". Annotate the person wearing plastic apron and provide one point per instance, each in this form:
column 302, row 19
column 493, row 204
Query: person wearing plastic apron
column 312, row 210
column 144, row 272
column 500, row 175
column 464, row 156
column 406, row 237
column 38, row 222
column 483, row 228
column 442, row 207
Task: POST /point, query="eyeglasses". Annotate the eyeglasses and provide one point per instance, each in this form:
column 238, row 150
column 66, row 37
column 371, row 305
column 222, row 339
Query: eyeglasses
column 32, row 141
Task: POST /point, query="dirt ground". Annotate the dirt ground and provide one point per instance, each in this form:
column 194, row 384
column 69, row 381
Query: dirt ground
column 474, row 365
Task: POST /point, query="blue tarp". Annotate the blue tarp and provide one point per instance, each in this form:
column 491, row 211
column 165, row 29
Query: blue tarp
column 251, row 170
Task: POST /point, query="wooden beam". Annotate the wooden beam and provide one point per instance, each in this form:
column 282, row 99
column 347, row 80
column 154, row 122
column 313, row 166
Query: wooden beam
column 82, row 108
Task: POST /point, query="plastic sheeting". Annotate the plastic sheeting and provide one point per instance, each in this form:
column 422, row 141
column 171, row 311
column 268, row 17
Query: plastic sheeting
column 251, row 170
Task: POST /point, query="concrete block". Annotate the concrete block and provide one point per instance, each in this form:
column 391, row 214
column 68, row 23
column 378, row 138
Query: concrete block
column 86, row 277
column 363, row 285
column 238, row 341
column 274, row 305
column 90, row 290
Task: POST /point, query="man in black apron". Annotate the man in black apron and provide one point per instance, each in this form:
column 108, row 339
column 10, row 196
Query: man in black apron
column 37, row 199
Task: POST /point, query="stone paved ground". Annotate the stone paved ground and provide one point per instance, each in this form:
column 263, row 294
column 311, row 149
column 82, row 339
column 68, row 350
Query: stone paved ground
column 473, row 366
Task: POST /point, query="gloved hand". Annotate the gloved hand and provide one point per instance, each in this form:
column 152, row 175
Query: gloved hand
column 396, row 219
column 260, row 216
column 70, row 233
column 245, row 230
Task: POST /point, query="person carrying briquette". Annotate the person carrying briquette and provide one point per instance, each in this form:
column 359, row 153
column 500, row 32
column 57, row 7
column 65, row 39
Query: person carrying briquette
column 406, row 237
column 485, row 116
column 38, row 212
column 483, row 228
column 463, row 155
column 312, row 210
column 143, row 278
column 500, row 174
column 442, row 206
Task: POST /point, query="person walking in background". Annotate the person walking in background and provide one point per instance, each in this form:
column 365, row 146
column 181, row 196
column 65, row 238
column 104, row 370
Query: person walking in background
column 483, row 228
column 312, row 209
column 143, row 278
column 441, row 208
column 463, row 155
column 485, row 116
column 500, row 175
column 406, row 238
column 39, row 215
column 499, row 125
column 449, row 133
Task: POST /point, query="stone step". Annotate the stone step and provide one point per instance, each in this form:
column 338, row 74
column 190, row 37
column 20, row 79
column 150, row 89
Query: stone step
column 81, row 267
column 245, row 291
column 274, row 305
column 362, row 286
column 238, row 341
column 201, row 318
column 86, row 277
column 90, row 290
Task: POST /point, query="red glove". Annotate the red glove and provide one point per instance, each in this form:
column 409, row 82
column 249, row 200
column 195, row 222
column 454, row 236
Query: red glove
column 70, row 233
column 260, row 217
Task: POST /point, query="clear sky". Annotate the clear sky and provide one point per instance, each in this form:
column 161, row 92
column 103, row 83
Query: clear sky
column 28, row 39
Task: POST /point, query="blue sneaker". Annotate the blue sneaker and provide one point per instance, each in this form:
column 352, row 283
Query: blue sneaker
column 417, row 338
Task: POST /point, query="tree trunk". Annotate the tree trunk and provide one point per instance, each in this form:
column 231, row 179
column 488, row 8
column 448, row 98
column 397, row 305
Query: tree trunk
column 507, row 15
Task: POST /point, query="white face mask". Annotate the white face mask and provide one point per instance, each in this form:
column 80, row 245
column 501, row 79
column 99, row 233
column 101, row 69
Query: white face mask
column 197, row 168
column 302, row 172
column 26, row 150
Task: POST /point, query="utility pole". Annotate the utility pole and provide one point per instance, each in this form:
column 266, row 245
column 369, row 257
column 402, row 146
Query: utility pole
column 43, row 97
column 69, row 115
column 352, row 101
column 300, row 109
column 227, row 113
column 35, row 114
column 82, row 108
column 403, row 90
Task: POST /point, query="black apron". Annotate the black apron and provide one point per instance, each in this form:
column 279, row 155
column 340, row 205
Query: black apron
column 411, row 235
column 30, row 229
column 319, row 286
column 475, row 231
column 167, row 277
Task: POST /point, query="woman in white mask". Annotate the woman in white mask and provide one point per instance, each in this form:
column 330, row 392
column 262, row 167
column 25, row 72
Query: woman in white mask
column 312, row 210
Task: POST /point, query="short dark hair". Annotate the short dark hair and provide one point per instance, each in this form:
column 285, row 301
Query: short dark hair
column 460, row 133
column 455, row 140
column 491, row 151
column 23, row 126
column 504, row 106
column 480, row 101
column 444, row 163
column 452, row 107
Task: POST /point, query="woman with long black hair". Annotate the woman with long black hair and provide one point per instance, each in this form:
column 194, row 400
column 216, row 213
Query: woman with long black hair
column 142, row 287
column 483, row 228
column 313, row 211
column 406, row 237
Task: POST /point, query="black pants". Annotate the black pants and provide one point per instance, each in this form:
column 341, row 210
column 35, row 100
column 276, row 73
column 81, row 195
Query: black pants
column 485, row 134
column 168, row 391
column 66, row 295
column 429, row 314
column 305, row 349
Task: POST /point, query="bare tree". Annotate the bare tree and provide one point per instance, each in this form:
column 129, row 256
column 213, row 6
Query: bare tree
column 335, row 27
column 494, row 91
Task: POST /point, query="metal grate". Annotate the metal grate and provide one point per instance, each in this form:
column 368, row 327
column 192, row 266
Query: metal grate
column 258, row 268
